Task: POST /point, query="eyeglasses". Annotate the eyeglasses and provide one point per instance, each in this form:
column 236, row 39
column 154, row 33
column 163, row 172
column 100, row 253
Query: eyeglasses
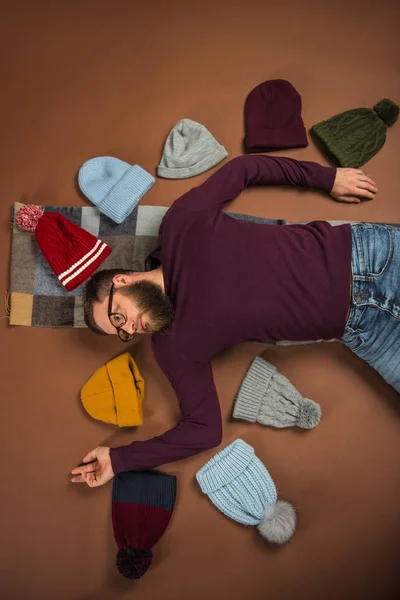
column 117, row 320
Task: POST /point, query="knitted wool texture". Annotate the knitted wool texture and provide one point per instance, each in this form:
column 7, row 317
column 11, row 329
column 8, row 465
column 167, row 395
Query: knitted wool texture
column 73, row 253
column 269, row 398
column 272, row 117
column 114, row 394
column 189, row 150
column 353, row 137
column 239, row 485
column 113, row 185
column 142, row 505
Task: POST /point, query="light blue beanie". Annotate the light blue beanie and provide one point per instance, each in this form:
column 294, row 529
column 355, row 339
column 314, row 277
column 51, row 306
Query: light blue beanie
column 239, row 485
column 113, row 185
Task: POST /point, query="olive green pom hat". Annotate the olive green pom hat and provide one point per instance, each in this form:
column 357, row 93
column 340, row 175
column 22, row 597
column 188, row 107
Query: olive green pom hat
column 353, row 137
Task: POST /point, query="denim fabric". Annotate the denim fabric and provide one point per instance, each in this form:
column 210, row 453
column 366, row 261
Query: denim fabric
column 373, row 327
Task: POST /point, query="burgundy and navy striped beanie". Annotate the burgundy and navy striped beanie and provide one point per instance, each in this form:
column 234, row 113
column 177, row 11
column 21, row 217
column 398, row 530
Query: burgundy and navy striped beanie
column 142, row 505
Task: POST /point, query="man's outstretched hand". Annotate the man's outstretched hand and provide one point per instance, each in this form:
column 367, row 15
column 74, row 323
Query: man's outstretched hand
column 98, row 470
column 352, row 185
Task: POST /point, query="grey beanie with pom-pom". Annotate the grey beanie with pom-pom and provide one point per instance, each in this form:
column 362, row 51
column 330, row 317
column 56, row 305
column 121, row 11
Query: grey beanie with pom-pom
column 266, row 396
column 239, row 485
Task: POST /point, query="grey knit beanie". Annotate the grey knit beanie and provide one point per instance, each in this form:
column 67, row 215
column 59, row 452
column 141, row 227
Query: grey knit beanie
column 269, row 398
column 189, row 150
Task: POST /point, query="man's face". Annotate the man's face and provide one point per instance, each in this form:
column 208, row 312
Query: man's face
column 137, row 307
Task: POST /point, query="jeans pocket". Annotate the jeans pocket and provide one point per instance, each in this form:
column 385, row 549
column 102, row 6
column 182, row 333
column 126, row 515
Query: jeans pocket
column 378, row 247
column 354, row 339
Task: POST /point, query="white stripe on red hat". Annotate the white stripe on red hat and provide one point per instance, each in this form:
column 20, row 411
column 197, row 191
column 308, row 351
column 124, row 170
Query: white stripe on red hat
column 84, row 266
column 80, row 261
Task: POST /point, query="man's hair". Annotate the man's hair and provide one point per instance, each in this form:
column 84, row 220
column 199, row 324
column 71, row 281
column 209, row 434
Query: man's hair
column 96, row 289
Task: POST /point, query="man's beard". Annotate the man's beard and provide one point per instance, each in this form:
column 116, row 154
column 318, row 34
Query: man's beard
column 151, row 300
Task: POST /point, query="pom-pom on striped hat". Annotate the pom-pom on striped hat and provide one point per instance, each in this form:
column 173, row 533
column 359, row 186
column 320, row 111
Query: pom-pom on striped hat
column 73, row 253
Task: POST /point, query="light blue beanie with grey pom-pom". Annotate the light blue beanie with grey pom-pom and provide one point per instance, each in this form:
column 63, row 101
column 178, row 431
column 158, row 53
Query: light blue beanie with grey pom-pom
column 239, row 485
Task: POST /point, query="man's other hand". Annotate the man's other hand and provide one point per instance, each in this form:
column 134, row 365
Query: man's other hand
column 352, row 185
column 98, row 470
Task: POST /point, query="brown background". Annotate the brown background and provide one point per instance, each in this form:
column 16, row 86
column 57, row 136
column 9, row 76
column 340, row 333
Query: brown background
column 92, row 78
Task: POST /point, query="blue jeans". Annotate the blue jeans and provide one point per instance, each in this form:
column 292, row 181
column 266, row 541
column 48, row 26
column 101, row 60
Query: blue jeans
column 373, row 326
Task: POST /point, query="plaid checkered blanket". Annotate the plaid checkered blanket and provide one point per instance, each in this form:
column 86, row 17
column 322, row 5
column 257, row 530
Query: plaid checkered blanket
column 38, row 299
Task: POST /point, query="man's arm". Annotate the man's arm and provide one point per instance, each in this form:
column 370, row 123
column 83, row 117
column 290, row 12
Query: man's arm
column 199, row 429
column 254, row 170
column 345, row 185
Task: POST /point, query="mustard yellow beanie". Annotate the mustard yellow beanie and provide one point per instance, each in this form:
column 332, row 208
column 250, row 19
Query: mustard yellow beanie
column 114, row 394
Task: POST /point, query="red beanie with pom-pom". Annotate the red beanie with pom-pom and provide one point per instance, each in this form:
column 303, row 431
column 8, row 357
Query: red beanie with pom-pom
column 73, row 253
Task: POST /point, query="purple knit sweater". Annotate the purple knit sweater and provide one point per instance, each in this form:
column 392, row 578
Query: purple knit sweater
column 233, row 281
